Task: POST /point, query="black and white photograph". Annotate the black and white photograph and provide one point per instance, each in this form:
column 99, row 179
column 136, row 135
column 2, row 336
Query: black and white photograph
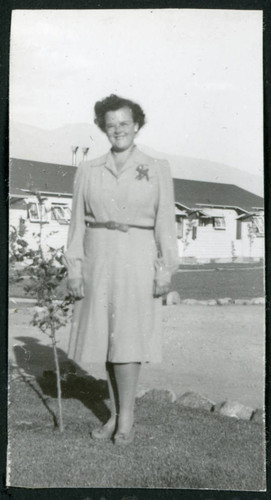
column 136, row 333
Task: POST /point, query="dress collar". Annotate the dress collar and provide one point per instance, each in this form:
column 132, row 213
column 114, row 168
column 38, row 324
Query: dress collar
column 135, row 157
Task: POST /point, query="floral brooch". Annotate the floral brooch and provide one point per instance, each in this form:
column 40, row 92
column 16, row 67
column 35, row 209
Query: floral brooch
column 142, row 171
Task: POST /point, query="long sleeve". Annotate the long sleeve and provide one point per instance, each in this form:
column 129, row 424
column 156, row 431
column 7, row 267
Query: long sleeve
column 75, row 246
column 165, row 227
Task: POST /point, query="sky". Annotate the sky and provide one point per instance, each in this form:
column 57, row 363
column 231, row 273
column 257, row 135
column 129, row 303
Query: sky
column 196, row 73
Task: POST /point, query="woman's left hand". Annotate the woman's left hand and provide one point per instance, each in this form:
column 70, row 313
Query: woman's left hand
column 160, row 289
column 76, row 287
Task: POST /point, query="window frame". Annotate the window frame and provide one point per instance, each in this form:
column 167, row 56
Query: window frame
column 258, row 223
column 215, row 220
column 62, row 207
column 41, row 218
column 205, row 221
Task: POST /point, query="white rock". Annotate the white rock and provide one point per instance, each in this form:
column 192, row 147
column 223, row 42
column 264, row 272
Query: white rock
column 242, row 302
column 224, row 301
column 195, row 400
column 258, row 301
column 234, row 409
column 190, row 302
column 173, row 298
column 212, row 302
column 258, row 416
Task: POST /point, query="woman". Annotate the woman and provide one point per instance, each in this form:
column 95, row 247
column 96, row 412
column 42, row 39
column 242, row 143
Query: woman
column 122, row 216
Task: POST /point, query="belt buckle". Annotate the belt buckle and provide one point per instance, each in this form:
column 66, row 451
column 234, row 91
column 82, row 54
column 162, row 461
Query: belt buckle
column 111, row 224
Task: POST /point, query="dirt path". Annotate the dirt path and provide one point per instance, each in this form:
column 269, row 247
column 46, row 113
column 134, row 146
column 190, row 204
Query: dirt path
column 216, row 351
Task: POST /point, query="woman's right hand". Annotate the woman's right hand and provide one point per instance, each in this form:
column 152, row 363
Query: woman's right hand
column 76, row 287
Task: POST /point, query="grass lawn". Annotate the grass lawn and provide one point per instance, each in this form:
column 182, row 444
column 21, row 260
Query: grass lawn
column 175, row 447
column 231, row 280
column 202, row 282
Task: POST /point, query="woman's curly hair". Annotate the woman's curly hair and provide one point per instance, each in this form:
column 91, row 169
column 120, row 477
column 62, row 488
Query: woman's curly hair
column 114, row 102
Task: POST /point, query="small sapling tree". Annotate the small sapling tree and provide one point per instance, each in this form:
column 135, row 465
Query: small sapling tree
column 188, row 230
column 45, row 270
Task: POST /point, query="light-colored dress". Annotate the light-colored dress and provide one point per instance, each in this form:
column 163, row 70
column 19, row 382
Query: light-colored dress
column 119, row 320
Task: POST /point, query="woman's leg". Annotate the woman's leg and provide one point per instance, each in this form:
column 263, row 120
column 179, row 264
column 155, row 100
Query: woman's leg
column 122, row 384
column 113, row 394
column 108, row 429
column 126, row 376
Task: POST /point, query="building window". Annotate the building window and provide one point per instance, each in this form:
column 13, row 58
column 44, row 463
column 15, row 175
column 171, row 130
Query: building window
column 61, row 213
column 204, row 221
column 37, row 213
column 219, row 223
column 258, row 225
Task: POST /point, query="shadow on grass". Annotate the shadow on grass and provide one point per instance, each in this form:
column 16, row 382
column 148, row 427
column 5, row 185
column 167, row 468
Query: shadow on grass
column 31, row 357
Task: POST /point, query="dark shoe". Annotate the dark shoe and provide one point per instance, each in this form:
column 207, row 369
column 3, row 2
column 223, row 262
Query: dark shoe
column 124, row 438
column 105, row 432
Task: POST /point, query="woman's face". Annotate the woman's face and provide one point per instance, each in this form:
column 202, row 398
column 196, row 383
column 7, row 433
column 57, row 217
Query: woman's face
column 120, row 128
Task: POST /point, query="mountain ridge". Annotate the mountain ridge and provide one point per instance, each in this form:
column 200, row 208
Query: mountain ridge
column 54, row 146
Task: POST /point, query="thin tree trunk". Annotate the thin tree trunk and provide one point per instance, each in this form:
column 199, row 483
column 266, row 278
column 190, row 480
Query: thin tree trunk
column 58, row 381
column 53, row 335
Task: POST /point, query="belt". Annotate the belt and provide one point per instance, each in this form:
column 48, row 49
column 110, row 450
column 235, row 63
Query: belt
column 111, row 224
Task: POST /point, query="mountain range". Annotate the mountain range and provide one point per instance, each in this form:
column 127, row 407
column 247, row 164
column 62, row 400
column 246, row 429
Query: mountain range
column 54, row 146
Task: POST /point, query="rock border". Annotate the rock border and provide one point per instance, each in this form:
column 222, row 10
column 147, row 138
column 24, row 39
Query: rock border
column 190, row 399
column 173, row 298
column 194, row 400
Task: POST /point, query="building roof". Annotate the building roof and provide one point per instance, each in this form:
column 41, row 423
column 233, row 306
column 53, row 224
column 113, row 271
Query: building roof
column 193, row 194
column 44, row 177
column 58, row 179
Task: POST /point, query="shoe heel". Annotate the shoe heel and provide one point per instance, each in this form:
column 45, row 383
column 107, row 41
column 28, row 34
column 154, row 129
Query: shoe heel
column 124, row 438
column 103, row 432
